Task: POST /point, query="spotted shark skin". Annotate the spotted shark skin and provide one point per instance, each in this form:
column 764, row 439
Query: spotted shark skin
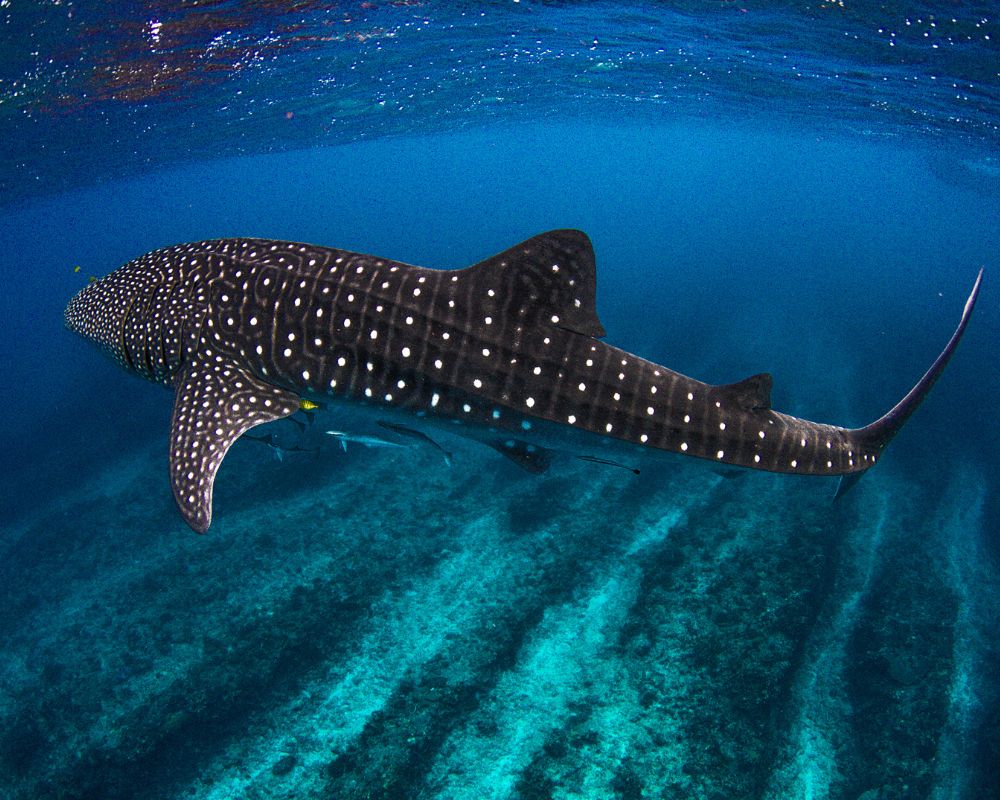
column 505, row 350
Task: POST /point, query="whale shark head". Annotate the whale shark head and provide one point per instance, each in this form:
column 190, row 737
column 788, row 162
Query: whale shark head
column 139, row 313
column 98, row 313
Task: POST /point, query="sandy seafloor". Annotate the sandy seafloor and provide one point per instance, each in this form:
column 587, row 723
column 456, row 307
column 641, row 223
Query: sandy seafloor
column 377, row 624
column 487, row 635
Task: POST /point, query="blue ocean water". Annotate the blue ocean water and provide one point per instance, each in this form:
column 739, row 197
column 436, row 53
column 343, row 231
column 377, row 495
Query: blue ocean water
column 803, row 189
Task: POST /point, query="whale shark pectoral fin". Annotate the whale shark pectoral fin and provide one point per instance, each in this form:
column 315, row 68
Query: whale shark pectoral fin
column 528, row 457
column 215, row 404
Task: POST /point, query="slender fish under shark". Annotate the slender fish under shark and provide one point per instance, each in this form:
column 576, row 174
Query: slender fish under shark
column 505, row 351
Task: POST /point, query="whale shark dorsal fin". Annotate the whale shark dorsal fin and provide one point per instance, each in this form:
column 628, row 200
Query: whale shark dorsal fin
column 216, row 402
column 550, row 278
column 749, row 394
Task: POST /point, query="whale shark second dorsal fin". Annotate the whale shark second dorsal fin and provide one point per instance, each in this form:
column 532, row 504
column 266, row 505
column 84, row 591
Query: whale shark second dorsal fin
column 552, row 275
column 749, row 394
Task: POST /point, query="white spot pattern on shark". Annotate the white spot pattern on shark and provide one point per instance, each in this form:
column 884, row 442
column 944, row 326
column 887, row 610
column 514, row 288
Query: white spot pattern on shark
column 243, row 329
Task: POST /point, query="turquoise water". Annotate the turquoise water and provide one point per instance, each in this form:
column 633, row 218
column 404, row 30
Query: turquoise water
column 807, row 191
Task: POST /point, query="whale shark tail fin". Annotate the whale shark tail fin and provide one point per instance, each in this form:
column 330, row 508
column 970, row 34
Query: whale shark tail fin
column 878, row 434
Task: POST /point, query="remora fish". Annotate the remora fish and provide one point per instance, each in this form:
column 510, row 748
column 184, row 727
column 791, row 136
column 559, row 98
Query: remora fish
column 363, row 440
column 505, row 351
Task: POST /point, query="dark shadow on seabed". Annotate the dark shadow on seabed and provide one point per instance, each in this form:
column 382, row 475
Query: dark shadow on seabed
column 378, row 626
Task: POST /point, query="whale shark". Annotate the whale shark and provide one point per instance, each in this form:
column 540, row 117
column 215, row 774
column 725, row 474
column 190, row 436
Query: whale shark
column 507, row 351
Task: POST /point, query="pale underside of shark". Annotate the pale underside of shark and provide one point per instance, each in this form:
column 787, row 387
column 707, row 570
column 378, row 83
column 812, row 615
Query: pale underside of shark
column 506, row 351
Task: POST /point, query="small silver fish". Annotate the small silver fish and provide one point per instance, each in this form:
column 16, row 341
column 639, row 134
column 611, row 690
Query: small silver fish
column 366, row 441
